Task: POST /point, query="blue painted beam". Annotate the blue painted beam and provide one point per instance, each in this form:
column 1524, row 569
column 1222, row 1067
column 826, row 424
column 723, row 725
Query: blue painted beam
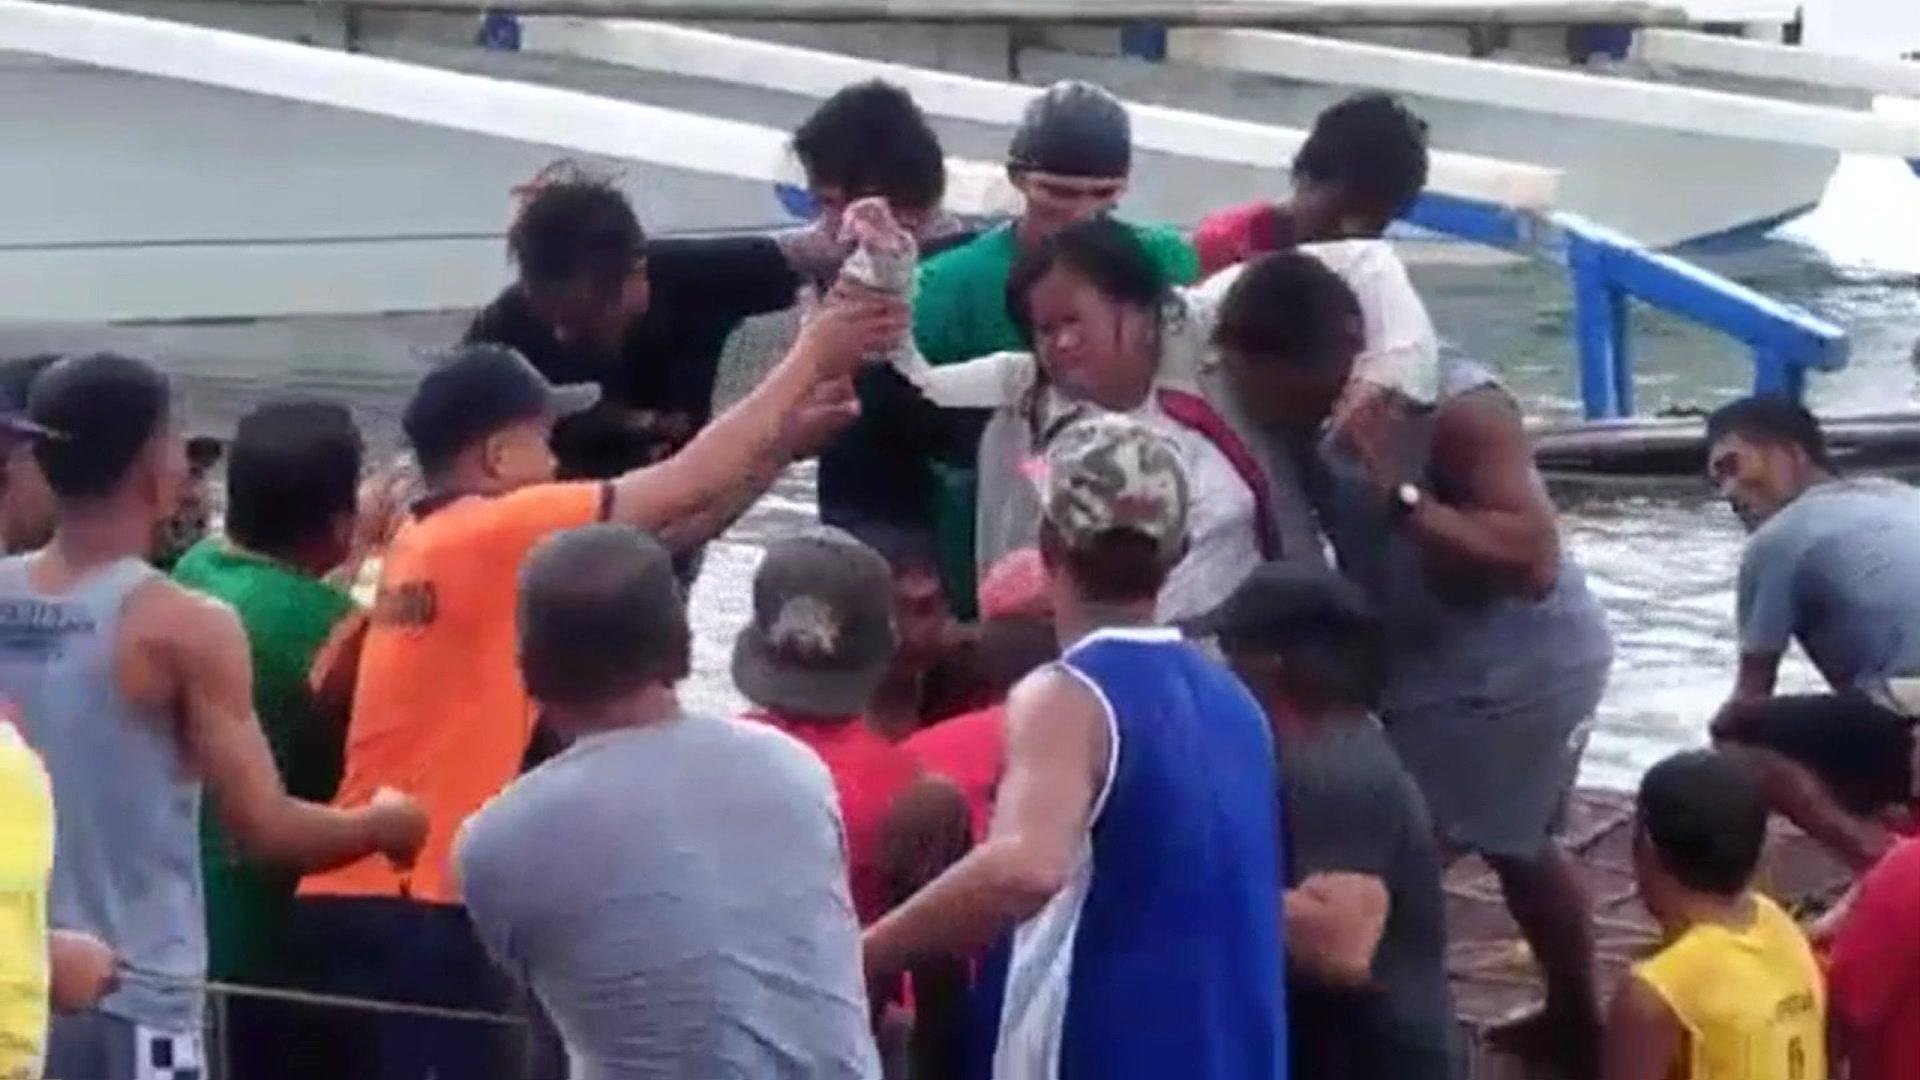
column 1476, row 221
column 1678, row 286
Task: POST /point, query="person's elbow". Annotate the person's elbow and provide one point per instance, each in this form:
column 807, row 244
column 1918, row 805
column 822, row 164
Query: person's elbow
column 1027, row 874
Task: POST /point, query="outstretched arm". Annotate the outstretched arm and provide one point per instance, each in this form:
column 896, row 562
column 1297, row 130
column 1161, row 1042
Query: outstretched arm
column 214, row 677
column 1056, row 754
column 688, row 494
column 1643, row 1038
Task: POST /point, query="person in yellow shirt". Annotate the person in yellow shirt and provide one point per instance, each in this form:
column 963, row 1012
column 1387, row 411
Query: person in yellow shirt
column 64, row 970
column 1735, row 992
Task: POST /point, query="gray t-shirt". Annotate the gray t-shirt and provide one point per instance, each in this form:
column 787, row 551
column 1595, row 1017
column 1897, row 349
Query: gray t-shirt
column 1839, row 569
column 1351, row 807
column 676, row 896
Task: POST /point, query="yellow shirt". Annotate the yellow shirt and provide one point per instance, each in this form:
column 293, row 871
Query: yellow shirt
column 1751, row 1001
column 26, row 860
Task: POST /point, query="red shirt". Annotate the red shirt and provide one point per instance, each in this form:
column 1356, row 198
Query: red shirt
column 1234, row 235
column 968, row 750
column 1873, row 978
column 868, row 771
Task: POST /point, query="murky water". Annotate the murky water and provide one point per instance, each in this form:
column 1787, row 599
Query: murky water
column 1661, row 559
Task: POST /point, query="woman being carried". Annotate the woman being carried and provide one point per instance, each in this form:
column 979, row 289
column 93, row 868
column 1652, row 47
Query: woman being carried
column 1108, row 332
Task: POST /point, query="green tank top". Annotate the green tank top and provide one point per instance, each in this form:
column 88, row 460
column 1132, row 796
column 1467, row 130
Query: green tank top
column 287, row 617
column 960, row 313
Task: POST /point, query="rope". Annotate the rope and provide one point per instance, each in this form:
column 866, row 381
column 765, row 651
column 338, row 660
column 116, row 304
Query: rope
column 134, row 973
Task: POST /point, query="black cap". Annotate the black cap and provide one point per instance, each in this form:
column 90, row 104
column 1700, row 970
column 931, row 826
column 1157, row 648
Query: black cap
column 1279, row 602
column 1074, row 129
column 822, row 633
column 474, row 391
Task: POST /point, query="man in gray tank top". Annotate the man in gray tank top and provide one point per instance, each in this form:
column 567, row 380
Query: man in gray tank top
column 135, row 690
column 673, row 888
column 1497, row 653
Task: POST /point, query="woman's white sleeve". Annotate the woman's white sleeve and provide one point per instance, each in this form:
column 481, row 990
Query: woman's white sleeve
column 987, row 382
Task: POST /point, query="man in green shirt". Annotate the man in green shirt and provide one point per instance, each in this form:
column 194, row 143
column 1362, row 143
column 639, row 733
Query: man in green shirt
column 291, row 494
column 1070, row 159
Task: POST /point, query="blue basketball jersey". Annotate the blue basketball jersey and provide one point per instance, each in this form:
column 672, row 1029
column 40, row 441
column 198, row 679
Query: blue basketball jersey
column 1162, row 956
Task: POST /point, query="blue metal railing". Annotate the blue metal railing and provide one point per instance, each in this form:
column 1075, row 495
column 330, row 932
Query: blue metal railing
column 1608, row 272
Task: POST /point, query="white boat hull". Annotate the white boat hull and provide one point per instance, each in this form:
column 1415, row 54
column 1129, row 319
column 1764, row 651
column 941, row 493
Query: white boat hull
column 156, row 200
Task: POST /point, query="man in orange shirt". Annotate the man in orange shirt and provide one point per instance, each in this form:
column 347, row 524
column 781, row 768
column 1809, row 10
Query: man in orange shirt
column 438, row 704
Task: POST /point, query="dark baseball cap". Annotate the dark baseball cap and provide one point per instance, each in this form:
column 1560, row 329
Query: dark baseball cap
column 1281, row 602
column 1074, row 129
column 822, row 631
column 474, row 391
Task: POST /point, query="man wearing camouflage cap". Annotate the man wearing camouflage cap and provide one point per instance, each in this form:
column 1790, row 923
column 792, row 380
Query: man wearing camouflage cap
column 1130, row 869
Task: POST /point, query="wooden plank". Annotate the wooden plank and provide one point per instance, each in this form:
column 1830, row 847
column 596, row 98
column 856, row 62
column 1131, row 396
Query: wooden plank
column 1170, row 12
column 1545, row 90
column 1761, row 60
column 563, row 119
column 724, row 58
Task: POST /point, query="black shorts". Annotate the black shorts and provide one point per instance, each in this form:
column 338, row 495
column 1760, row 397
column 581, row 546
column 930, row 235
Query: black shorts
column 1860, row 749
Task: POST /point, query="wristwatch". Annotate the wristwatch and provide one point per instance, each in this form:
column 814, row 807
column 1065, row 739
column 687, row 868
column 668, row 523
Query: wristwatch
column 1406, row 499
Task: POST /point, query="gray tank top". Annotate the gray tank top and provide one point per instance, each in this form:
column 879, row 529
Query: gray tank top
column 1444, row 645
column 126, row 857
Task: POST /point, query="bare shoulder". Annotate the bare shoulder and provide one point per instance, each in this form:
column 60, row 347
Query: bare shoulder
column 166, row 622
column 1480, row 413
column 1050, row 690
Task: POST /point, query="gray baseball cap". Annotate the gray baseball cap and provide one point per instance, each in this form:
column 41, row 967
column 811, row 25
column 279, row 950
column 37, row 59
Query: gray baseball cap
column 822, row 631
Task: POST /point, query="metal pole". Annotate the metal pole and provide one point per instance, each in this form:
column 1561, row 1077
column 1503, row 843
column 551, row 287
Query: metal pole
column 1106, row 12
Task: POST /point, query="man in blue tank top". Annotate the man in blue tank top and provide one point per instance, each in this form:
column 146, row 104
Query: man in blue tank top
column 1129, row 877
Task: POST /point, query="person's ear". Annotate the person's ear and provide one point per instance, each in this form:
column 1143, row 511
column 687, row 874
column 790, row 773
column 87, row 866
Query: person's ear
column 495, row 454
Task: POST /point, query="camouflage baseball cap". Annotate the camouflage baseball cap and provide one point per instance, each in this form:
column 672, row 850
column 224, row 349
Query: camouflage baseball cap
column 1112, row 472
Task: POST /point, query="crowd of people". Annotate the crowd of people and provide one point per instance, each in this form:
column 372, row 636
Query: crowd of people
column 1180, row 610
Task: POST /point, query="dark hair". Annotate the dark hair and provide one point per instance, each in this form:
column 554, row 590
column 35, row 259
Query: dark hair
column 1771, row 419
column 600, row 615
column 1326, row 660
column 1706, row 817
column 1120, row 566
column 870, row 138
column 904, row 547
column 1011, row 648
column 1291, row 306
column 1100, row 249
column 1373, row 148
column 573, row 226
column 106, row 409
column 17, row 375
column 294, row 471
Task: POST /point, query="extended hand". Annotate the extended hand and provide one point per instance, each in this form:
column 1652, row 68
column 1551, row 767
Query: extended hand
column 399, row 825
column 819, row 419
column 84, row 970
column 849, row 327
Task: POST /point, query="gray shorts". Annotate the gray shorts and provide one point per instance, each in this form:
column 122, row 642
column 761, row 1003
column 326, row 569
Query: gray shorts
column 96, row 1046
column 1496, row 772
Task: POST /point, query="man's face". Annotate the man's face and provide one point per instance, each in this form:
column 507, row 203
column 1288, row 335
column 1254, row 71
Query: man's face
column 168, row 471
column 831, row 202
column 1755, row 478
column 1055, row 202
column 519, row 455
column 1315, row 210
column 1280, row 394
column 26, row 504
column 920, row 616
column 590, row 318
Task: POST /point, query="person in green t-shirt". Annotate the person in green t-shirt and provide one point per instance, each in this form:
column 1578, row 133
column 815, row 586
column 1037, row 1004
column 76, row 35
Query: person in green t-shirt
column 292, row 482
column 1070, row 159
